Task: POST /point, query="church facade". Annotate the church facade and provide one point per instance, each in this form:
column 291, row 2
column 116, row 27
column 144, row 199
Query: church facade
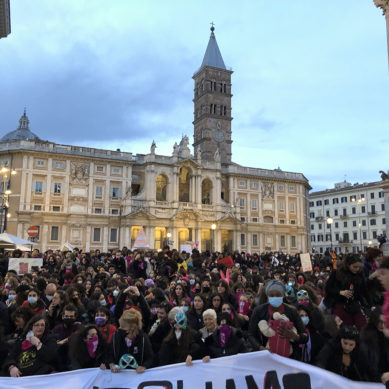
column 100, row 199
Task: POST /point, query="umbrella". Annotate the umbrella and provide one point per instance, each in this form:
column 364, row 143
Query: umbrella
column 8, row 240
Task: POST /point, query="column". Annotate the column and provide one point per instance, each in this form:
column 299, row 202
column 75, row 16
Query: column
column 218, row 190
column 48, row 184
column 175, row 238
column 230, row 190
column 107, row 196
column 198, row 189
column 87, row 238
column 44, row 233
column 67, row 188
column 384, row 5
column 105, row 239
column 64, row 229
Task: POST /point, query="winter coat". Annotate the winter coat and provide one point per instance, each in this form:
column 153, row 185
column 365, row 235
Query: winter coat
column 234, row 345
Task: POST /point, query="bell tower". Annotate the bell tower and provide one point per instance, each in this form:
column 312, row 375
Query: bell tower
column 212, row 106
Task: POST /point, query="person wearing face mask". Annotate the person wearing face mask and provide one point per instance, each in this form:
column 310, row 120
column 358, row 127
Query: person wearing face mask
column 180, row 345
column 34, row 302
column 11, row 299
column 225, row 341
column 102, row 320
column 88, row 349
column 64, row 332
column 308, row 351
column 275, row 292
column 49, row 293
column 130, row 346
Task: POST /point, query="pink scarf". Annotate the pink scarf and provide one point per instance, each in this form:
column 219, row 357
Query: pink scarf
column 92, row 344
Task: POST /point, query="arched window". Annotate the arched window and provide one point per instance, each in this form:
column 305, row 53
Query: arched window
column 161, row 186
column 206, row 191
column 184, row 184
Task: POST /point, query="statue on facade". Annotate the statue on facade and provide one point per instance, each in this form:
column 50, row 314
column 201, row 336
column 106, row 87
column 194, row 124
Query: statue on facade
column 153, row 147
column 183, row 149
column 268, row 190
column 217, row 155
column 198, row 155
column 384, row 176
column 175, row 150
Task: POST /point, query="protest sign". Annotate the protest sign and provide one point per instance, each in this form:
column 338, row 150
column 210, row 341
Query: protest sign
column 24, row 265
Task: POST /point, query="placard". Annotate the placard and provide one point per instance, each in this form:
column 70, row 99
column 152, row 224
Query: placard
column 24, row 265
column 306, row 262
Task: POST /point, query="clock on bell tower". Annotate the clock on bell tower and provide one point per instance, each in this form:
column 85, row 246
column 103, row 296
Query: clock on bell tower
column 212, row 105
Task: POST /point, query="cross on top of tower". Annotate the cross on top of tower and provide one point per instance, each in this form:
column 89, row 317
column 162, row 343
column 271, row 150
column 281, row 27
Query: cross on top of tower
column 212, row 26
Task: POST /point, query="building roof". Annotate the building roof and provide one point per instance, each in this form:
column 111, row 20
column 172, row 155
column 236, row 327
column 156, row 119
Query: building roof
column 22, row 132
column 5, row 19
column 212, row 56
column 350, row 188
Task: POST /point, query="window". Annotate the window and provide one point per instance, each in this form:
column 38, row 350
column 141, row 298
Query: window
column 364, row 235
column 335, row 200
column 293, row 241
column 312, row 227
column 254, row 185
column 116, row 170
column 96, row 234
column 318, row 203
column 113, row 237
column 311, row 203
column 241, row 202
column 98, row 211
column 57, row 188
column 38, row 186
column 292, row 207
column 353, row 198
column 374, row 234
column 59, row 165
column 353, row 210
column 114, row 211
column 355, row 235
column 372, row 195
column 98, row 192
column 382, row 206
column 291, row 188
column 254, row 220
column 313, row 238
column 327, row 213
column 40, row 162
column 99, row 169
column 312, row 215
column 37, row 207
column 320, row 226
column 337, row 236
column 56, row 208
column 328, row 237
column 362, row 196
column 364, row 223
column 242, row 183
column 242, row 239
column 282, row 221
column 373, row 222
column 336, row 225
column 343, row 199
column 335, row 212
column 344, row 211
column 363, row 209
column 345, row 224
column 292, row 221
column 380, row 195
column 254, row 205
column 115, row 193
column 281, row 188
column 281, row 205
column 354, row 223
column 283, row 240
column 255, row 240
column 242, row 219
column 383, row 221
column 54, row 233
column 326, row 202
column 373, row 209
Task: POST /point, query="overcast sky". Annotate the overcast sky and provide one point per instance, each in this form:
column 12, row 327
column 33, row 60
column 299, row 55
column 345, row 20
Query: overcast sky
column 310, row 81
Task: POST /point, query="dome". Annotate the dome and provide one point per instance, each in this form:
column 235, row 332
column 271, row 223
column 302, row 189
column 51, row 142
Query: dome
column 21, row 133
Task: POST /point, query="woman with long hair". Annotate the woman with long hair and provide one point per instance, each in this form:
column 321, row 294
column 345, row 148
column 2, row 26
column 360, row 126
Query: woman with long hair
column 346, row 292
column 224, row 290
column 195, row 314
column 87, row 349
column 34, row 355
column 56, row 307
column 177, row 294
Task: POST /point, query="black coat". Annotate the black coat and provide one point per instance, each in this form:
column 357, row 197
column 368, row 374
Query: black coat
column 159, row 335
column 140, row 349
column 195, row 321
column 82, row 360
column 33, row 361
column 234, row 345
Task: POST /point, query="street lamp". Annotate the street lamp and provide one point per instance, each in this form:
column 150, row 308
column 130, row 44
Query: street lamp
column 330, row 220
column 213, row 227
column 5, row 192
column 370, row 242
column 358, row 202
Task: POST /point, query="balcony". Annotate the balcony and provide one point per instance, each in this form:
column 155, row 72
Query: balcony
column 343, row 216
column 372, row 213
column 319, row 218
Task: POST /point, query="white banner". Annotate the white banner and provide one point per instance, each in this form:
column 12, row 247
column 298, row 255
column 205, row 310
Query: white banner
column 259, row 370
column 24, row 265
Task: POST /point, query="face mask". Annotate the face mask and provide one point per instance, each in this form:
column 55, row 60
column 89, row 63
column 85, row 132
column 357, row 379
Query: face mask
column 49, row 298
column 8, row 286
column 305, row 320
column 32, row 300
column 153, row 311
column 275, row 301
column 184, row 308
column 11, row 297
column 115, row 293
column 92, row 344
column 68, row 322
column 79, row 282
column 99, row 320
column 192, row 281
column 103, row 302
column 304, row 302
column 291, row 283
column 206, row 289
column 68, row 268
column 178, row 334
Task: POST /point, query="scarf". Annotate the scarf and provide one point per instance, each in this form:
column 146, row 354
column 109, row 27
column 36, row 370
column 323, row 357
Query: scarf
column 92, row 344
column 224, row 335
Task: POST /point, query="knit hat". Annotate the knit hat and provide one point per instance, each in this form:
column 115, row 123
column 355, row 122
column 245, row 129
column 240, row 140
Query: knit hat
column 149, row 282
column 275, row 285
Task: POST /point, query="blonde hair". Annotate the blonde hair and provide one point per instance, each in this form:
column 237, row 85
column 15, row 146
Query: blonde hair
column 210, row 312
column 131, row 316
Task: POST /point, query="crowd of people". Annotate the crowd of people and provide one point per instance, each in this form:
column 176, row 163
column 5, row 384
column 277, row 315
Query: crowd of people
column 140, row 309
